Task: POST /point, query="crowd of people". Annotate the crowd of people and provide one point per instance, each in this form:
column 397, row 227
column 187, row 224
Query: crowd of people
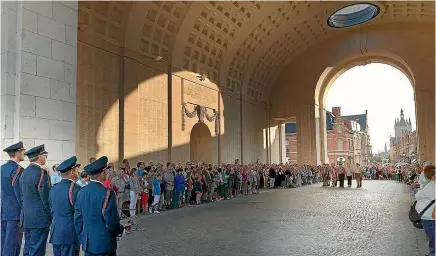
column 63, row 201
column 153, row 187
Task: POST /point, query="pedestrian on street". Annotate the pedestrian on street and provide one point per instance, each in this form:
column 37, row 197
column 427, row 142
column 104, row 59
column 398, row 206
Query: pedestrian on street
column 358, row 175
column 11, row 171
column 341, row 174
column 36, row 217
column 96, row 218
column 62, row 198
column 349, row 171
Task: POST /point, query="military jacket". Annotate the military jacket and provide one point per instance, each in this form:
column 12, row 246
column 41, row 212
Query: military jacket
column 10, row 191
column 62, row 197
column 35, row 187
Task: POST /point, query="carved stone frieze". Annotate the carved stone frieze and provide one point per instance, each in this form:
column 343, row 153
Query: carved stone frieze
column 201, row 113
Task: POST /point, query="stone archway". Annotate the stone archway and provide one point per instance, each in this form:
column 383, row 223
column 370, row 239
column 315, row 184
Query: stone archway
column 329, row 76
column 201, row 144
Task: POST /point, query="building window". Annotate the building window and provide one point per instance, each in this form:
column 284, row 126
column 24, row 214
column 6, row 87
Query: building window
column 340, row 145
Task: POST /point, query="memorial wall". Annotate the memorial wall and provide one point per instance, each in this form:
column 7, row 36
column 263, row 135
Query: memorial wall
column 130, row 105
column 99, row 77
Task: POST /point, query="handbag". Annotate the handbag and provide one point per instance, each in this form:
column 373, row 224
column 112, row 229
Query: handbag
column 415, row 217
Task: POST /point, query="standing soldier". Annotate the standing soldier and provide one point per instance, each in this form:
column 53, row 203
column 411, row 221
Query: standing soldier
column 62, row 197
column 96, row 217
column 12, row 233
column 35, row 216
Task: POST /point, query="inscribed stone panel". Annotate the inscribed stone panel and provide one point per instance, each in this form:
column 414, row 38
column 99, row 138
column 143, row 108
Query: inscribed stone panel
column 199, row 94
column 231, row 130
column 97, row 105
column 145, row 113
column 253, row 118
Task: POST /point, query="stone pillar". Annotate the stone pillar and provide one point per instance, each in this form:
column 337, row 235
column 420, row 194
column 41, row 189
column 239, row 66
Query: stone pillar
column 39, row 49
column 425, row 123
column 307, row 132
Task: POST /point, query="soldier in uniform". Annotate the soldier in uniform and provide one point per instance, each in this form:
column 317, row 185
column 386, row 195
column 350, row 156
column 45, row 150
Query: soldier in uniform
column 98, row 235
column 35, row 215
column 12, row 233
column 62, row 197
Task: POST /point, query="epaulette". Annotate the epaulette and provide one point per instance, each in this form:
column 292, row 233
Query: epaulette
column 18, row 171
column 106, row 200
column 42, row 177
column 70, row 193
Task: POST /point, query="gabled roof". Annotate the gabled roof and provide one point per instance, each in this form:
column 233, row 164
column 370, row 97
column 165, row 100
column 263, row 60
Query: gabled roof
column 361, row 119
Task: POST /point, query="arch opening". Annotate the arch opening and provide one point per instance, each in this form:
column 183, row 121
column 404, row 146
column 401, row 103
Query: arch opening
column 331, row 74
column 201, row 144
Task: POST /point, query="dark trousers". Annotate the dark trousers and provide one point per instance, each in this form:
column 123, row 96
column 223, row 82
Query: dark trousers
column 349, row 178
column 35, row 241
column 101, row 254
column 12, row 235
column 66, row 249
column 341, row 180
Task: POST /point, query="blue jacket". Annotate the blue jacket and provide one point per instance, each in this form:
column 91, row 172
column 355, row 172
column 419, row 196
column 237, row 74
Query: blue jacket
column 97, row 231
column 10, row 196
column 36, row 209
column 62, row 228
column 179, row 182
column 156, row 187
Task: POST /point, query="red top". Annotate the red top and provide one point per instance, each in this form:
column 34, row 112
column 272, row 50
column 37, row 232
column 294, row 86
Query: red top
column 107, row 183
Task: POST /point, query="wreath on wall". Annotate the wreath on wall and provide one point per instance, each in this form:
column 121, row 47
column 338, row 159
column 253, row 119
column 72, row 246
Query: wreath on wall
column 201, row 113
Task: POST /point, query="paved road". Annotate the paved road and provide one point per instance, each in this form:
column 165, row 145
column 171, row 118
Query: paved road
column 303, row 221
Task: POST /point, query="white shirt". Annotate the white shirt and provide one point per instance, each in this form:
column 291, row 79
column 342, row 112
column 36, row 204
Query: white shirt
column 422, row 181
column 423, row 198
column 350, row 171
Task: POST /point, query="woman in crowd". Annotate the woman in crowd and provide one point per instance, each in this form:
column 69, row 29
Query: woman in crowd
column 426, row 197
column 134, row 192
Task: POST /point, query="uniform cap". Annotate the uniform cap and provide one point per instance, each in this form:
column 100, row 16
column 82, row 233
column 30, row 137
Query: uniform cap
column 14, row 148
column 97, row 166
column 36, row 151
column 68, row 164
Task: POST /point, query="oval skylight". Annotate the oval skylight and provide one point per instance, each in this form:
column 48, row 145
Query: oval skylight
column 353, row 15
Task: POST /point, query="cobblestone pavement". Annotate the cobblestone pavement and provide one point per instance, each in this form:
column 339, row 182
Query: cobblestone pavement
column 303, row 221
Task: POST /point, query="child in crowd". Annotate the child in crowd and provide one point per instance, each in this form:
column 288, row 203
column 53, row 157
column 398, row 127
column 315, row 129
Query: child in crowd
column 144, row 194
column 197, row 189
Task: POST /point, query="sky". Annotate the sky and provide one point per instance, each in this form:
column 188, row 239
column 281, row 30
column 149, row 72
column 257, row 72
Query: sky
column 382, row 90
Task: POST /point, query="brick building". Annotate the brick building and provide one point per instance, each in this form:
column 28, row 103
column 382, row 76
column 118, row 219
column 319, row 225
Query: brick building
column 346, row 136
column 403, row 146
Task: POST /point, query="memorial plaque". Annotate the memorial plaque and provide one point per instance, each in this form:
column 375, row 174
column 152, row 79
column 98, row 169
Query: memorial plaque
column 201, row 95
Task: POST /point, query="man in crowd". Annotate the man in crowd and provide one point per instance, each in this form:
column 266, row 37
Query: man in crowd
column 98, row 235
column 55, row 176
column 36, row 217
column 11, row 171
column 62, row 198
column 341, row 174
column 168, row 179
column 84, row 179
column 119, row 187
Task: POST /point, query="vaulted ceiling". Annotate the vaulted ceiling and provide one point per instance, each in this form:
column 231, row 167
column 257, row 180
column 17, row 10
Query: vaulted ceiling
column 239, row 45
